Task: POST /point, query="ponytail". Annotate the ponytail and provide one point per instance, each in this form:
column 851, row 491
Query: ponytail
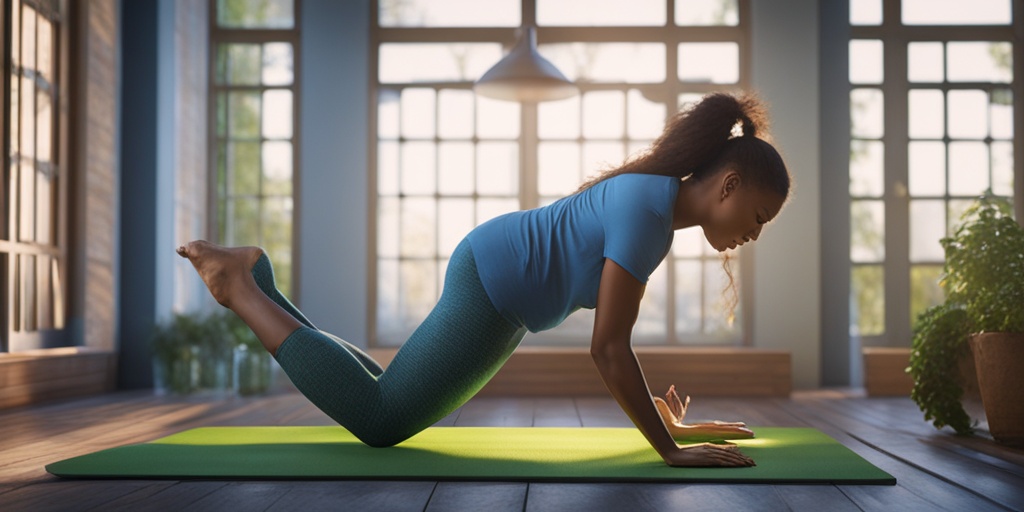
column 718, row 130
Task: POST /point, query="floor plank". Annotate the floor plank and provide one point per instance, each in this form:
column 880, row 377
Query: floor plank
column 483, row 496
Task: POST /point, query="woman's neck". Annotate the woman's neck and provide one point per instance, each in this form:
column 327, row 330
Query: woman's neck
column 690, row 204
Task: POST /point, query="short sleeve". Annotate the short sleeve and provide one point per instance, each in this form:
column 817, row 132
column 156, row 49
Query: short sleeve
column 638, row 227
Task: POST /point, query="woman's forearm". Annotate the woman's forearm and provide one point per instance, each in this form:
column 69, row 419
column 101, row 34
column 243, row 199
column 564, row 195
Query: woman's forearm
column 621, row 373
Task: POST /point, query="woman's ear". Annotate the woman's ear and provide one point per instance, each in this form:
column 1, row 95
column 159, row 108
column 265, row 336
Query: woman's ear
column 730, row 183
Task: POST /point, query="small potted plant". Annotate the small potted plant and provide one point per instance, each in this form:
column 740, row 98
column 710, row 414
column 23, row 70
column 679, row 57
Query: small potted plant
column 983, row 313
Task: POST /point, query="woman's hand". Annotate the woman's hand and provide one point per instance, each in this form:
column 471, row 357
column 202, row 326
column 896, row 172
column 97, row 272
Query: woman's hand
column 708, row 455
column 674, row 410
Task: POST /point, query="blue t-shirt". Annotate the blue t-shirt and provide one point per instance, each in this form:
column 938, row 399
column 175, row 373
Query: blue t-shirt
column 540, row 265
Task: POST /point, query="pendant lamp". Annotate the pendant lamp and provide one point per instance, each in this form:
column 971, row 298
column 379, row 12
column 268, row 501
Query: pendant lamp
column 525, row 75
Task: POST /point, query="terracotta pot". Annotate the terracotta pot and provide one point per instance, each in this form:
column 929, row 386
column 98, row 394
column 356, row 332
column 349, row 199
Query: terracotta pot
column 999, row 359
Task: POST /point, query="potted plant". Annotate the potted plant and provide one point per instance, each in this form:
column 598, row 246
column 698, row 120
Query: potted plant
column 983, row 313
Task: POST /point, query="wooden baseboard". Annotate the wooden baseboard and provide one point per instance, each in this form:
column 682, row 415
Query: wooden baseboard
column 884, row 371
column 39, row 375
column 548, row 371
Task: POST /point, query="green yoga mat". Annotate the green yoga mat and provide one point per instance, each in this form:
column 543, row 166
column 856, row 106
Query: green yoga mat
column 783, row 455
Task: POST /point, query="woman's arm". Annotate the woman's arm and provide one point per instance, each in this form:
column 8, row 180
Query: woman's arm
column 618, row 303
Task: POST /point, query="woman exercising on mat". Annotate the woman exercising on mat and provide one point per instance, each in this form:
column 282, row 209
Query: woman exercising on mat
column 527, row 271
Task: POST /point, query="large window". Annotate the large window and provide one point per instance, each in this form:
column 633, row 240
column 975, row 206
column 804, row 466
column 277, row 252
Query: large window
column 33, row 191
column 446, row 160
column 932, row 127
column 254, row 45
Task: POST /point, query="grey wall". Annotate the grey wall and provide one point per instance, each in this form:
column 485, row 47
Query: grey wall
column 332, row 204
column 787, row 277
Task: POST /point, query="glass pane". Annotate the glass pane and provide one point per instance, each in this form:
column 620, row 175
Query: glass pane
column 57, row 293
column 576, row 13
column 487, row 209
column 867, row 300
column 956, row 12
column 222, row 114
column 455, row 168
column 419, row 224
column 387, row 227
column 418, row 291
column 927, row 227
column 1002, row 168
column 653, row 316
column 707, row 12
column 604, row 114
column 716, row 297
column 646, row 118
column 455, row 220
column 277, row 114
column 44, row 127
column 276, row 238
column 559, row 119
column 689, row 295
column 968, row 168
column 436, row 62
column 387, row 168
column 244, row 114
column 717, row 63
column 455, row 113
column 256, row 13
column 44, row 42
column 28, row 289
column 497, row 119
column 28, row 119
column 979, row 62
column 26, row 202
column 601, row 156
column 865, row 12
column 244, row 222
column 277, row 168
column 418, row 168
column 924, row 62
column 449, row 13
column 957, row 207
column 927, row 171
column 497, row 168
column 968, row 114
column 44, row 205
column 44, row 301
column 866, row 61
column 418, row 110
column 866, row 113
column 867, row 231
column 1001, row 114
column 630, row 63
column 688, row 243
column 388, row 315
column 244, row 165
column 924, row 289
column 15, row 114
column 28, row 37
column 15, row 35
column 388, row 116
column 558, row 168
column 866, row 168
column 278, row 66
column 238, row 64
column 926, row 111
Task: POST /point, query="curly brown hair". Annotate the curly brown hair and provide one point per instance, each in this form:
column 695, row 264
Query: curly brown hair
column 721, row 130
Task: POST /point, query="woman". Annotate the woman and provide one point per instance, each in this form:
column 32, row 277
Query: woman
column 527, row 271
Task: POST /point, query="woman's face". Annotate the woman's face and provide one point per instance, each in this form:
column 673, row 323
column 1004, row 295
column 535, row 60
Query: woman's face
column 739, row 213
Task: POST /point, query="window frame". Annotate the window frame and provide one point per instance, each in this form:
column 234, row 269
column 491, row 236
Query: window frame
column 292, row 36
column 668, row 92
column 42, row 332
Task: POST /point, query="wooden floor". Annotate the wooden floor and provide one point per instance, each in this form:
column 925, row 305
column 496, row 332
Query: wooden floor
column 934, row 470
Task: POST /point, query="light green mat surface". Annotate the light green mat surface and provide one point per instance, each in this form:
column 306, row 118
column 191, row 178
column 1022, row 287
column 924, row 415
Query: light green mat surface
column 783, row 455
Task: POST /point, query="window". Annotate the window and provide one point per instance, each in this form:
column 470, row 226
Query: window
column 446, row 160
column 254, row 45
column 932, row 116
column 33, row 192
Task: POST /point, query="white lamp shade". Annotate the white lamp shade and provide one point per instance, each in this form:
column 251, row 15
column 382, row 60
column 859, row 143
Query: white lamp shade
column 525, row 75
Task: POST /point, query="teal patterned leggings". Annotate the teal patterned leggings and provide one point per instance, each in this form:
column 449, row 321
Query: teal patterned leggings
column 451, row 355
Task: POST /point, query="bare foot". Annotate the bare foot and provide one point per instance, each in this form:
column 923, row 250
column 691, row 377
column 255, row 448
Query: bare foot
column 225, row 270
